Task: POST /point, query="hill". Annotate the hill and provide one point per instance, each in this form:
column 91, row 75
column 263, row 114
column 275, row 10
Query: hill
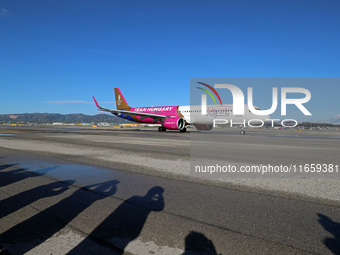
column 56, row 117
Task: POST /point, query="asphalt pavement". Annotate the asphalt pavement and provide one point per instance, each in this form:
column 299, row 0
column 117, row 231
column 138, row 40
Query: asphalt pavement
column 84, row 191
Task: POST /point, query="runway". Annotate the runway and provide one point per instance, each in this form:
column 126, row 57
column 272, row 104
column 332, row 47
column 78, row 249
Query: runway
column 102, row 175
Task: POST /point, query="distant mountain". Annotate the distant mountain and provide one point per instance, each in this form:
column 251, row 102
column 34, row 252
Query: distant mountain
column 56, row 117
column 336, row 119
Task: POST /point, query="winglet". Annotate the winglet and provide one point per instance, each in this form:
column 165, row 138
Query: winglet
column 96, row 102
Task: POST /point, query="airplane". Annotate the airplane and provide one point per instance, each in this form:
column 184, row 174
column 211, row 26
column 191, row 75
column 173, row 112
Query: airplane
column 179, row 117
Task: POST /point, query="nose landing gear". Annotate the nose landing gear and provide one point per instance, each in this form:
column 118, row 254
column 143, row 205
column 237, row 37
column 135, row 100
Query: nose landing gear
column 242, row 132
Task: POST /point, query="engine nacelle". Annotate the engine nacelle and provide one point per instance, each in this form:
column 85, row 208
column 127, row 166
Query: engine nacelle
column 174, row 123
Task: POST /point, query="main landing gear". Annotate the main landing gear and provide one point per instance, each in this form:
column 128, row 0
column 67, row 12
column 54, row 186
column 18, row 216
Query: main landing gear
column 183, row 130
column 163, row 129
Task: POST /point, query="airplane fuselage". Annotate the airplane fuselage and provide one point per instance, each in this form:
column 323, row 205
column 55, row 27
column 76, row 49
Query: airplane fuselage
column 191, row 114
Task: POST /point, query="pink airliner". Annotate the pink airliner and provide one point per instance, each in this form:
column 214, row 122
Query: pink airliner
column 174, row 117
column 170, row 117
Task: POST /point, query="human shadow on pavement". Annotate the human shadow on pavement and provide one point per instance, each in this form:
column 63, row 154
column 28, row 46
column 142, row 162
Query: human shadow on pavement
column 4, row 166
column 333, row 244
column 197, row 243
column 16, row 202
column 37, row 229
column 125, row 223
column 19, row 174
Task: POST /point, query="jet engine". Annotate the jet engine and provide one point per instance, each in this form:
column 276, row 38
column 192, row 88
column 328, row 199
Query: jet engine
column 174, row 123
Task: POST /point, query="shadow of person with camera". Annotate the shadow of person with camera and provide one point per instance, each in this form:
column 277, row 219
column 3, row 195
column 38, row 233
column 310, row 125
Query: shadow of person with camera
column 126, row 222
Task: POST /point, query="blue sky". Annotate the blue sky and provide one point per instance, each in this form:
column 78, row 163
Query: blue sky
column 57, row 54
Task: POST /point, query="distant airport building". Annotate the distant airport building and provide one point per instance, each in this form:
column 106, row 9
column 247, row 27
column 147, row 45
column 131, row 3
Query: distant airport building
column 103, row 124
column 319, row 126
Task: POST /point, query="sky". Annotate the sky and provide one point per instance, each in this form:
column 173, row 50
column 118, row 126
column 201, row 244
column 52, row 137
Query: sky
column 55, row 55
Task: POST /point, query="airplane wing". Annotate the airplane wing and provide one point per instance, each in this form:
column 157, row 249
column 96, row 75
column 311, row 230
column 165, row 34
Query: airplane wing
column 142, row 114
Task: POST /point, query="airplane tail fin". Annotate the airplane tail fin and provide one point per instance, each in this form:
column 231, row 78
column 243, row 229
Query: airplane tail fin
column 120, row 100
